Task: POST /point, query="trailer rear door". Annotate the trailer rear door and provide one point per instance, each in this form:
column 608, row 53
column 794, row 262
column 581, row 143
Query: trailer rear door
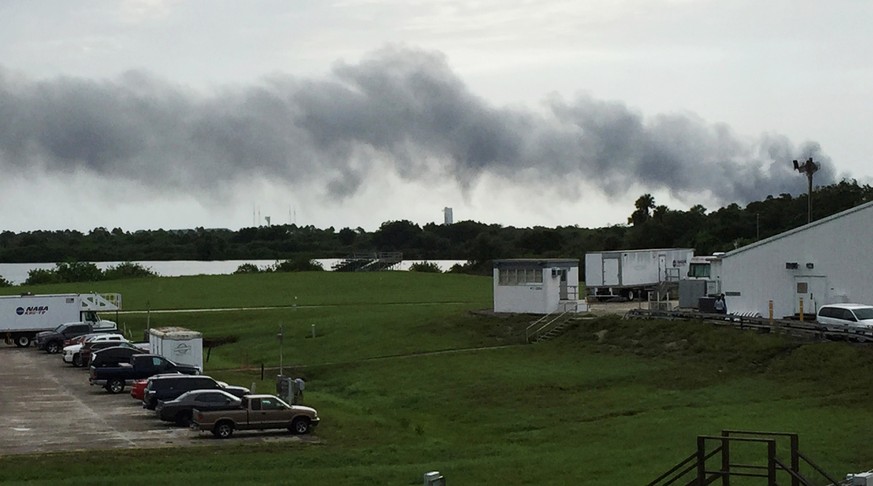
column 611, row 271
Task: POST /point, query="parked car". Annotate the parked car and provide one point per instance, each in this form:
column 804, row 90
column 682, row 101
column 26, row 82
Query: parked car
column 171, row 387
column 90, row 347
column 256, row 412
column 856, row 318
column 53, row 341
column 73, row 352
column 115, row 378
column 115, row 355
column 179, row 410
column 137, row 390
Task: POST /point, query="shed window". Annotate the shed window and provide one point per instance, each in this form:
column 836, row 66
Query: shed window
column 520, row 276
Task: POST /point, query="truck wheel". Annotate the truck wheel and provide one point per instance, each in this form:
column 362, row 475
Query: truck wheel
column 77, row 360
column 22, row 341
column 223, row 430
column 115, row 385
column 53, row 347
column 299, row 426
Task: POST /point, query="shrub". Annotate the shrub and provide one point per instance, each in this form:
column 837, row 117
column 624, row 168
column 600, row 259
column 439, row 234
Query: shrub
column 41, row 276
column 300, row 264
column 127, row 270
column 247, row 268
column 78, row 272
column 429, row 267
column 4, row 282
column 473, row 267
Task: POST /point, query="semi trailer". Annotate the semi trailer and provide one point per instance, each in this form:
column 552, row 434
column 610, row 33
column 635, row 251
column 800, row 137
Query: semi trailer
column 629, row 274
column 23, row 316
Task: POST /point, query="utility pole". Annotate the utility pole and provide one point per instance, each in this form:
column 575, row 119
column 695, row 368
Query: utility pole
column 809, row 168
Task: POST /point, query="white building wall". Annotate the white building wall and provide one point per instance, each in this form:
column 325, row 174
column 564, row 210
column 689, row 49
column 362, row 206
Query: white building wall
column 839, row 250
column 542, row 298
column 520, row 298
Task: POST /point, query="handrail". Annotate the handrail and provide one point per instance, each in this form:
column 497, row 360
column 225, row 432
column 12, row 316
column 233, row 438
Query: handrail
column 793, row 474
column 692, row 457
column 699, row 459
column 817, row 468
column 688, row 459
column 528, row 334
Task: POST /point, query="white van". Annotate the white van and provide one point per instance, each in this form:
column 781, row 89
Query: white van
column 846, row 317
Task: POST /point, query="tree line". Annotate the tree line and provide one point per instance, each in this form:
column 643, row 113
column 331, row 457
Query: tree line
column 649, row 225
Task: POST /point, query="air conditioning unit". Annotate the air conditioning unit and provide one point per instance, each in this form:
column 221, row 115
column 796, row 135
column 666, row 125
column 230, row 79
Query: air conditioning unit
column 861, row 479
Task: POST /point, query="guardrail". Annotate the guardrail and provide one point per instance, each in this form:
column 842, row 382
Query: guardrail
column 764, row 324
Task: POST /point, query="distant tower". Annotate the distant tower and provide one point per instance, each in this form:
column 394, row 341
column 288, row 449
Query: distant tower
column 267, row 218
column 447, row 216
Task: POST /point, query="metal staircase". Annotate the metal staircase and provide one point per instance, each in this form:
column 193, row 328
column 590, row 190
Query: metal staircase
column 369, row 262
column 549, row 326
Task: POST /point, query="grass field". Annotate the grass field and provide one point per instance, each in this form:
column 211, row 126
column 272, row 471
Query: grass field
column 407, row 380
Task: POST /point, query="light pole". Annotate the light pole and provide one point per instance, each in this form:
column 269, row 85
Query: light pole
column 809, row 168
column 281, row 338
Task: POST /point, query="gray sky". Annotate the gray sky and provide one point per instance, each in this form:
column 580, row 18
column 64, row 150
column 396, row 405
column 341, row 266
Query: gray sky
column 176, row 114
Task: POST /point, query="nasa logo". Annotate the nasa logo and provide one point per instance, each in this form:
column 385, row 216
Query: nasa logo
column 19, row 310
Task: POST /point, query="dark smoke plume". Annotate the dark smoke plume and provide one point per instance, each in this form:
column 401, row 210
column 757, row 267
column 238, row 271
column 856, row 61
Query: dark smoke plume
column 399, row 108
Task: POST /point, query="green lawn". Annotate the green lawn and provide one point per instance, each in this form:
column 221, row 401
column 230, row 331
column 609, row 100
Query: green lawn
column 576, row 410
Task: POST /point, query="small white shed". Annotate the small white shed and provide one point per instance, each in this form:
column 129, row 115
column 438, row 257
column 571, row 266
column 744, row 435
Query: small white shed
column 177, row 344
column 823, row 262
column 537, row 286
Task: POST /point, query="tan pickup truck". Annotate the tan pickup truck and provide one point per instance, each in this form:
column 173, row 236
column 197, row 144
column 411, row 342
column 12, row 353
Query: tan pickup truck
column 257, row 412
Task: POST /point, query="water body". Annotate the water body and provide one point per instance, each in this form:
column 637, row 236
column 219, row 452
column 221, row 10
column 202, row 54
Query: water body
column 17, row 272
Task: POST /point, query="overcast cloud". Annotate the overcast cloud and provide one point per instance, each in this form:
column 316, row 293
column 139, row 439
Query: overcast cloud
column 399, row 108
column 358, row 112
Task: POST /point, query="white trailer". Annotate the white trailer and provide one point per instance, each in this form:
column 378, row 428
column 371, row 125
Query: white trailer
column 177, row 344
column 630, row 273
column 23, row 316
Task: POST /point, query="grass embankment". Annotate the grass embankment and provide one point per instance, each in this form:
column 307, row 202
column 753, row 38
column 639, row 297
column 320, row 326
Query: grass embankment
column 608, row 401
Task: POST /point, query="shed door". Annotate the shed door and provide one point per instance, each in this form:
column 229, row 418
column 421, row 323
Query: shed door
column 562, row 290
column 811, row 289
column 662, row 268
column 611, row 272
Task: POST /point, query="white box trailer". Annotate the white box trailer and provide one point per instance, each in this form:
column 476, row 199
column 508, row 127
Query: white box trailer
column 23, row 316
column 630, row 273
column 177, row 344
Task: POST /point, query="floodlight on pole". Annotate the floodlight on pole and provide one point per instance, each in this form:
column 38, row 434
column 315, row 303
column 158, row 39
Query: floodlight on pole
column 809, row 168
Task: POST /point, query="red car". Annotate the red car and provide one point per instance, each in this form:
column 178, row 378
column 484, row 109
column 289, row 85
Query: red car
column 137, row 391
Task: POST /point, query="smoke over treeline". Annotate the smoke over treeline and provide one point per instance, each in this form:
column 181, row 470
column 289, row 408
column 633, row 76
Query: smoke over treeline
column 398, row 108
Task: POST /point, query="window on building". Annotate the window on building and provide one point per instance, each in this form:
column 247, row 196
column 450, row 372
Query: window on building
column 698, row 270
column 520, row 276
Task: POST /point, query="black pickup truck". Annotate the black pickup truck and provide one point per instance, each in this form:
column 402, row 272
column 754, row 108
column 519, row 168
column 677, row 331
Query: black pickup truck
column 115, row 378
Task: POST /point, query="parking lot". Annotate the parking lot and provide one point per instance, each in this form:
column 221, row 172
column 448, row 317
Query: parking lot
column 48, row 406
